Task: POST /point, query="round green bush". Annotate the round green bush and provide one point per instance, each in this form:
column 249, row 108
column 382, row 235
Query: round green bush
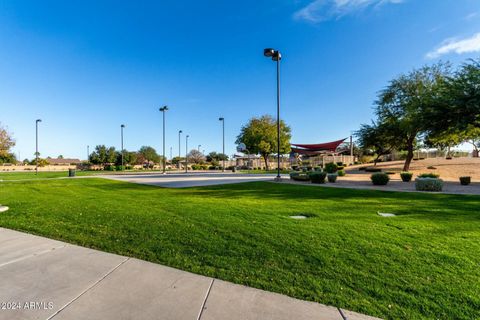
column 428, row 184
column 331, row 167
column 406, row 176
column 379, row 178
column 341, row 173
column 332, row 177
column 318, row 177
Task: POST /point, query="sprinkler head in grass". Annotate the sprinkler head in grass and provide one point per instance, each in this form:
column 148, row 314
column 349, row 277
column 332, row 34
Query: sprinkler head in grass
column 385, row 214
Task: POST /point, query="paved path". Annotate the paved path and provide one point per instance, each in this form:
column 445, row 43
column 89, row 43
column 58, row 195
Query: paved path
column 183, row 180
column 48, row 279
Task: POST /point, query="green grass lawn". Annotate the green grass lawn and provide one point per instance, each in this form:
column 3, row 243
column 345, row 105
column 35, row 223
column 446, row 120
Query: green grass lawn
column 425, row 263
column 23, row 175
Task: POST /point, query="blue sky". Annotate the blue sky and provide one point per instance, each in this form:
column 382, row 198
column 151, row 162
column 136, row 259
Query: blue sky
column 85, row 67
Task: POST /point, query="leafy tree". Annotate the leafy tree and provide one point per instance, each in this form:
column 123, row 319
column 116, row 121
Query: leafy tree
column 111, row 155
column 214, row 156
column 60, row 157
column 41, row 162
column 456, row 109
column 196, row 156
column 176, row 160
column 260, row 137
column 378, row 139
column 149, row 154
column 99, row 156
column 6, row 143
column 473, row 137
column 403, row 103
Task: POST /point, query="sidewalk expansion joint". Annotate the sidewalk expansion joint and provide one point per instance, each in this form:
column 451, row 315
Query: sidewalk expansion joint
column 32, row 255
column 88, row 289
column 342, row 314
column 205, row 300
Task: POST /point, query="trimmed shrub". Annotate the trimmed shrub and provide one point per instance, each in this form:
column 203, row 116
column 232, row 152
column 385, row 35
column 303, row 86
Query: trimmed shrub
column 429, row 175
column 331, row 167
column 318, row 169
column 110, row 168
column 317, row 177
column 340, row 163
column 298, row 176
column 406, row 176
column 373, row 169
column 341, row 173
column 332, row 177
column 340, row 167
column 465, row 181
column 379, row 178
column 362, row 168
column 428, row 184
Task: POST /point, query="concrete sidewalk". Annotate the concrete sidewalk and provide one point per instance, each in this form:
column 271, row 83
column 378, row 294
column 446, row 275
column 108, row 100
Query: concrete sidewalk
column 48, row 279
column 192, row 179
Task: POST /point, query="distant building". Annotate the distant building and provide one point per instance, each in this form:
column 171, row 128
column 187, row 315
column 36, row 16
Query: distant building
column 63, row 162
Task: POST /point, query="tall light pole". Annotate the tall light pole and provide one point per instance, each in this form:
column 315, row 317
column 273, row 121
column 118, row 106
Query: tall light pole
column 179, row 146
column 276, row 56
column 88, row 153
column 223, row 139
column 171, row 154
column 36, row 145
column 163, row 110
column 186, row 153
column 121, row 134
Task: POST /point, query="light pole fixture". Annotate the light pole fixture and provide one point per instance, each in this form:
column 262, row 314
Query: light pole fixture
column 179, row 146
column 186, row 153
column 163, row 110
column 36, row 145
column 276, row 56
column 121, row 133
column 223, row 139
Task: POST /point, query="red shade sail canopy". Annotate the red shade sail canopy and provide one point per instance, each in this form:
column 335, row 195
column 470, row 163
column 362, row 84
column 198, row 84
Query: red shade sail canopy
column 311, row 149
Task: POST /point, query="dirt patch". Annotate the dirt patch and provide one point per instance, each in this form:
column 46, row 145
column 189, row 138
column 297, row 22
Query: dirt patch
column 449, row 170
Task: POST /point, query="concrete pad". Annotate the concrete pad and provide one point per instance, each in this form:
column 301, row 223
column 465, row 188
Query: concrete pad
column 142, row 290
column 51, row 280
column 235, row 302
column 190, row 179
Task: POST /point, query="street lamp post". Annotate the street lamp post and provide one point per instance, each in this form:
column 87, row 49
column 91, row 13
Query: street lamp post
column 186, row 153
column 179, row 146
column 223, row 139
column 88, row 153
column 36, row 145
column 276, row 56
column 163, row 110
column 121, row 133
